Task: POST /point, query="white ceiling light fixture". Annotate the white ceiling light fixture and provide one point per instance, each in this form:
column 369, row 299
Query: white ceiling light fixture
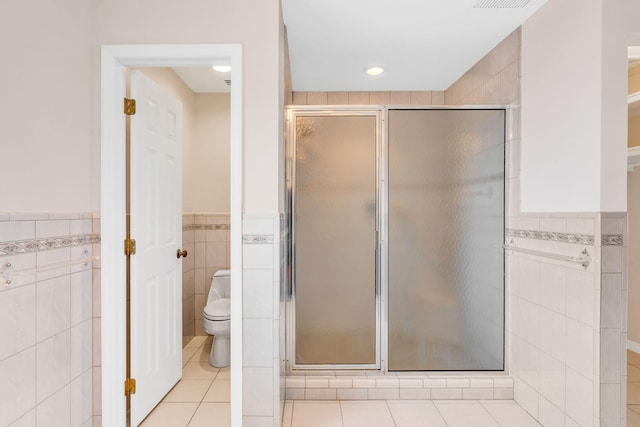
column 374, row 71
column 222, row 68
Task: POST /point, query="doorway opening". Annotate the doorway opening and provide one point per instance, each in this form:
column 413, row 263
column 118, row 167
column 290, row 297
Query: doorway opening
column 115, row 61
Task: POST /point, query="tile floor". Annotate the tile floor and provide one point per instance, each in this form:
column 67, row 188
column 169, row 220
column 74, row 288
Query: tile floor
column 406, row 413
column 633, row 389
column 201, row 397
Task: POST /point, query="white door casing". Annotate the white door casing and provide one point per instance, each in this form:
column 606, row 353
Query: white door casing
column 156, row 225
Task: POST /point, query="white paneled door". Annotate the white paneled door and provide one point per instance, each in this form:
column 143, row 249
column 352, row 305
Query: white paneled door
column 156, row 225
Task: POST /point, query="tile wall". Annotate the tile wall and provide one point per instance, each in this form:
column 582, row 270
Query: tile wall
column 206, row 238
column 369, row 98
column 263, row 254
column 46, row 319
column 97, row 325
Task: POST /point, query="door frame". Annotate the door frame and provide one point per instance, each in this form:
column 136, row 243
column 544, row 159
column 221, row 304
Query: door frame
column 115, row 60
column 337, row 111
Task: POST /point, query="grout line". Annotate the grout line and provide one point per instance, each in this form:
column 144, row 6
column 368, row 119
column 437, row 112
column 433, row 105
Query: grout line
column 440, row 413
column 391, row 413
column 341, row 414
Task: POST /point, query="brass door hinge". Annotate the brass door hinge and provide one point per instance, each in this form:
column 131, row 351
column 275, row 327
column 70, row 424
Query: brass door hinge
column 129, row 246
column 129, row 106
column 129, row 386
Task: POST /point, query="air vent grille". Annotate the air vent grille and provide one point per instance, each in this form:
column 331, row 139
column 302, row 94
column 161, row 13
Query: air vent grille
column 228, row 82
column 501, row 4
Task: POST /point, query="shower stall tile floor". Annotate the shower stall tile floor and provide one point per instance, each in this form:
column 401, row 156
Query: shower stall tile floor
column 201, row 398
column 406, row 413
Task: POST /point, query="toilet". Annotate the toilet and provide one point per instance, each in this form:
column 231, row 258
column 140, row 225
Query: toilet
column 216, row 318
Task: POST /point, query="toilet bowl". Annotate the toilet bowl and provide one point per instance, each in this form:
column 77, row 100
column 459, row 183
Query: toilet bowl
column 216, row 319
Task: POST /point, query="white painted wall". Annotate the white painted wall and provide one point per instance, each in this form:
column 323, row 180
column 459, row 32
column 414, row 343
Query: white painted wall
column 574, row 105
column 561, row 107
column 209, row 162
column 45, row 107
column 253, row 23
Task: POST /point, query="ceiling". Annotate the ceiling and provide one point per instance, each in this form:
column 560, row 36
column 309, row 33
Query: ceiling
column 421, row 44
column 204, row 79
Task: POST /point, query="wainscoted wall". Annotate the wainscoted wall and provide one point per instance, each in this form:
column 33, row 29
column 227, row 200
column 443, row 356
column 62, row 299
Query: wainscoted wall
column 262, row 309
column 46, row 319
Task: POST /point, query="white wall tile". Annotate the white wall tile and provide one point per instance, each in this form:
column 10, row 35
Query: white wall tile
column 81, row 347
column 611, row 305
column 579, row 347
column 80, row 226
column 257, row 391
column 256, row 256
column 57, row 228
column 257, row 342
column 17, row 320
column 553, row 330
column 580, row 296
column 552, row 380
column 528, row 280
column 579, row 398
column 81, row 398
column 610, row 412
column 262, row 225
column 53, row 303
column 529, row 322
column 53, row 364
column 527, row 397
column 17, row 385
column 610, row 357
column 27, row 420
column 46, row 259
column 550, row 416
column 81, row 299
column 257, row 294
column 553, row 287
column 55, row 411
column 17, row 230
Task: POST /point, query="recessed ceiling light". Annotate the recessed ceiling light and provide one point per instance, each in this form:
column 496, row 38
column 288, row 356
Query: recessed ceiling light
column 222, row 68
column 374, row 71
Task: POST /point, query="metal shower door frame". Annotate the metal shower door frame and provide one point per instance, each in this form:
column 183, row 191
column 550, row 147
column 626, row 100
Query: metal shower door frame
column 382, row 208
column 329, row 111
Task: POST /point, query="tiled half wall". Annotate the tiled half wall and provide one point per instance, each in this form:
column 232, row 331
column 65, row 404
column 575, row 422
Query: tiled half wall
column 46, row 319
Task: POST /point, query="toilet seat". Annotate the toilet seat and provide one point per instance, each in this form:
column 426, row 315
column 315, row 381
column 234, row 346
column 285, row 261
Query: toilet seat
column 219, row 309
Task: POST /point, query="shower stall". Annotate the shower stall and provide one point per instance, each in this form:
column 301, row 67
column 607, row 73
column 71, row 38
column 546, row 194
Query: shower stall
column 397, row 233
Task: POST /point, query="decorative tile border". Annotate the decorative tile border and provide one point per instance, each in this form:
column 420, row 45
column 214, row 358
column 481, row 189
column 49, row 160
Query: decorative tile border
column 257, row 239
column 612, row 240
column 37, row 245
column 582, row 239
column 190, row 227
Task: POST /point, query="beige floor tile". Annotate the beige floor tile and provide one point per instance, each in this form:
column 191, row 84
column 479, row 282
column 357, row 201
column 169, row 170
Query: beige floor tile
column 633, row 358
column 187, row 354
column 188, row 391
column 316, row 414
column 170, row 415
column 212, row 415
column 224, row 374
column 465, row 415
column 370, row 414
column 220, row 391
column 633, row 374
column 634, row 408
column 633, row 393
column 510, row 414
column 201, row 355
column 287, row 413
column 633, row 419
column 199, row 371
column 196, row 341
column 415, row 414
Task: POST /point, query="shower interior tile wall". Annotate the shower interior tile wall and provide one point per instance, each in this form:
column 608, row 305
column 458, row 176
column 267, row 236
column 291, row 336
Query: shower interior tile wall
column 205, row 237
column 46, row 322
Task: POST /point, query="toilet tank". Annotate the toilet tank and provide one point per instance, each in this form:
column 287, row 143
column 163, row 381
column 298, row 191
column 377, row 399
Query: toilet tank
column 220, row 285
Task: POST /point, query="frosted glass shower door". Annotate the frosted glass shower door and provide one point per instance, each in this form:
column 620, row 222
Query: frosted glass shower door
column 335, row 211
column 446, row 231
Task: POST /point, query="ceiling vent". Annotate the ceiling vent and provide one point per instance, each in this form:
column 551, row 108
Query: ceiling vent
column 501, row 4
column 228, row 82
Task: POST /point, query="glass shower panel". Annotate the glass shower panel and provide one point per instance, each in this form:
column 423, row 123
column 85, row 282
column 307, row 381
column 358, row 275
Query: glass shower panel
column 334, row 235
column 446, row 231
